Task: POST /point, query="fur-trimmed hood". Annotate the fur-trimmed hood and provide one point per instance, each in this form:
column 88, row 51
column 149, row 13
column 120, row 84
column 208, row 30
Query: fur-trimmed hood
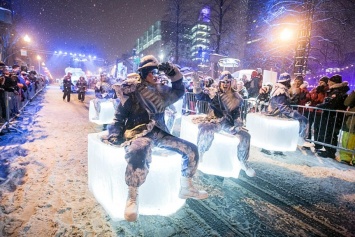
column 339, row 85
column 279, row 89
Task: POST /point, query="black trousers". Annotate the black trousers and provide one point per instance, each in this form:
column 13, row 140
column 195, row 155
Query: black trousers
column 81, row 96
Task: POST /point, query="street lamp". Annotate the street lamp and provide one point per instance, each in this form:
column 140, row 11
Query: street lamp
column 27, row 39
column 39, row 63
column 286, row 34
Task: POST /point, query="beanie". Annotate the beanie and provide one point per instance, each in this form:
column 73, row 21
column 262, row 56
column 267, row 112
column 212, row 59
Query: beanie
column 325, row 79
column 284, row 77
column 336, row 78
column 254, row 74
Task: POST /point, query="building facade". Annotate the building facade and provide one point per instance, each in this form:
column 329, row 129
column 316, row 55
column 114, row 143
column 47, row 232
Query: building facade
column 161, row 38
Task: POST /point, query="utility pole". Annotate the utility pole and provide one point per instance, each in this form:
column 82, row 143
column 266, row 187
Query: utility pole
column 303, row 44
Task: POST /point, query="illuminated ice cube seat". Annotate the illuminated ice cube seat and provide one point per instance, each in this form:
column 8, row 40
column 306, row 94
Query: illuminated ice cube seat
column 106, row 179
column 106, row 115
column 221, row 159
column 272, row 132
column 177, row 115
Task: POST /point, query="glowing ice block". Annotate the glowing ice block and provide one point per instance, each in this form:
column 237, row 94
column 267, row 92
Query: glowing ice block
column 221, row 159
column 106, row 115
column 272, row 133
column 171, row 120
column 106, row 178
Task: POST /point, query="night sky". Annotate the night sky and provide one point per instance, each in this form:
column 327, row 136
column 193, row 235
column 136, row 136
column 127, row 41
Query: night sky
column 107, row 27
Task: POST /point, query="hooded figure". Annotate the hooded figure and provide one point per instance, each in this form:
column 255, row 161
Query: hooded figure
column 139, row 126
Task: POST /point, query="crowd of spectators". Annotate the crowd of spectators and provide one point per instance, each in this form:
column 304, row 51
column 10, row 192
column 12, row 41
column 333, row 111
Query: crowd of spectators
column 327, row 106
column 19, row 83
column 329, row 127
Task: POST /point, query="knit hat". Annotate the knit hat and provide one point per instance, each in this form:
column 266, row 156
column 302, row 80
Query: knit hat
column 325, row 79
column 336, row 78
column 284, row 77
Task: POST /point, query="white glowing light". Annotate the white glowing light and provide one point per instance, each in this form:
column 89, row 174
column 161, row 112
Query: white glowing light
column 221, row 159
column 286, row 34
column 27, row 39
column 272, row 133
column 106, row 179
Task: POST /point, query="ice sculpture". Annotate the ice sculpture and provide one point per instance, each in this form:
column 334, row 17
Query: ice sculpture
column 221, row 159
column 106, row 114
column 106, row 179
column 272, row 133
column 172, row 115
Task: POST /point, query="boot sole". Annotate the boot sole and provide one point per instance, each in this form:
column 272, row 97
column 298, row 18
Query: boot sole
column 193, row 197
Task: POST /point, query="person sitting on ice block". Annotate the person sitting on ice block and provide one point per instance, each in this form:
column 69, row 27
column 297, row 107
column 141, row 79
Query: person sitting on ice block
column 280, row 105
column 225, row 105
column 139, row 126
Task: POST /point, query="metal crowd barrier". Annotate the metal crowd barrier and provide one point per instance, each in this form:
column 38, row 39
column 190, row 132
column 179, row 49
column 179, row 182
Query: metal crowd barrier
column 331, row 122
column 14, row 104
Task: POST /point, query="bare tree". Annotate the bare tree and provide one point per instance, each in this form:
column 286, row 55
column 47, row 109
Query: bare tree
column 222, row 21
column 181, row 14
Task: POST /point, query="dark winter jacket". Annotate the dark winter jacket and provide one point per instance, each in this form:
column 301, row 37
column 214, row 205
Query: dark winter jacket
column 225, row 105
column 67, row 84
column 10, row 83
column 280, row 101
column 335, row 97
column 81, row 85
column 334, row 100
column 142, row 107
column 253, row 87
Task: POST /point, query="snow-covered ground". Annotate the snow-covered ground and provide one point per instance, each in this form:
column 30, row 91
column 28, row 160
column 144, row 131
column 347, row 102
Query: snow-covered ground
column 44, row 187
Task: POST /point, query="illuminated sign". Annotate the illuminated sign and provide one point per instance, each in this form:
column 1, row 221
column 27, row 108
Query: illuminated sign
column 229, row 62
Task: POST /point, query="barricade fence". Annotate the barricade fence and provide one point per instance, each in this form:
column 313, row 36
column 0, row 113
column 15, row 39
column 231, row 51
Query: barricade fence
column 15, row 102
column 330, row 128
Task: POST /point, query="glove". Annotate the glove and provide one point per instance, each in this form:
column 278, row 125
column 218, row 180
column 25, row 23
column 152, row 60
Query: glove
column 171, row 71
column 167, row 68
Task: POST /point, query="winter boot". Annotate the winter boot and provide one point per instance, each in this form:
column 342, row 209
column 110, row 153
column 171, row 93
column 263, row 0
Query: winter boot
column 187, row 190
column 248, row 170
column 303, row 143
column 131, row 210
column 266, row 152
